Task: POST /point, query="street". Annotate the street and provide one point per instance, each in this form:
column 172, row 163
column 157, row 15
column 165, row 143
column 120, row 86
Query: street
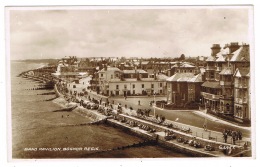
column 185, row 117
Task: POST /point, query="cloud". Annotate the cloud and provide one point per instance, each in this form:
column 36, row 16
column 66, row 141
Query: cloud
column 127, row 32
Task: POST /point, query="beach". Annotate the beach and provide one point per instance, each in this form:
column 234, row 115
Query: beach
column 38, row 132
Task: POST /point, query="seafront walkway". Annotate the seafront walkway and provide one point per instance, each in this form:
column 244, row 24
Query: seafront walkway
column 195, row 131
column 133, row 102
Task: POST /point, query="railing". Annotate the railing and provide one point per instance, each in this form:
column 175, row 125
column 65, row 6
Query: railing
column 130, row 79
column 147, row 79
column 210, row 96
column 240, row 85
column 223, row 83
column 241, row 100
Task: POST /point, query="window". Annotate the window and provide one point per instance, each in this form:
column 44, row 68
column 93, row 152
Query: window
column 152, row 85
column 112, row 76
column 125, row 86
column 211, row 75
column 227, row 107
column 142, row 85
column 191, row 87
column 117, row 86
column 133, row 91
column 101, row 75
column 160, row 84
column 133, row 85
column 178, row 87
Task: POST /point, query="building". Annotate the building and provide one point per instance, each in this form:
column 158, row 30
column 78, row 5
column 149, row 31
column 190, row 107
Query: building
column 183, row 88
column 218, row 89
column 182, row 67
column 67, row 69
column 116, row 82
column 242, row 94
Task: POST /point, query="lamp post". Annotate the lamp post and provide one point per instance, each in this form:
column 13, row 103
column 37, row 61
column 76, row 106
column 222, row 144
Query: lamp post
column 205, row 121
column 154, row 104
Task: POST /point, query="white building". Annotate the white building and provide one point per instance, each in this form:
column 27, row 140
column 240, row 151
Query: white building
column 116, row 82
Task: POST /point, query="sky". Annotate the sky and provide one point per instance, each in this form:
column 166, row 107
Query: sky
column 56, row 33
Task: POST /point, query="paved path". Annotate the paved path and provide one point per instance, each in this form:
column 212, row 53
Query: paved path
column 191, row 119
column 203, row 114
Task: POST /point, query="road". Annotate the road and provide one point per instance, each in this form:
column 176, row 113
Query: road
column 185, row 117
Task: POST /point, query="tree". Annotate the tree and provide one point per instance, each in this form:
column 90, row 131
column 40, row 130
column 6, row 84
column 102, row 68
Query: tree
column 182, row 57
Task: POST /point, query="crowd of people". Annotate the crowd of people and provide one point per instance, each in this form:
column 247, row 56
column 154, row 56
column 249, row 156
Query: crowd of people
column 235, row 135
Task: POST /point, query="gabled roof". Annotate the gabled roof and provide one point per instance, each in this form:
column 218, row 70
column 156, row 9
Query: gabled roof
column 162, row 77
column 211, row 58
column 242, row 54
column 185, row 77
column 224, row 51
column 197, row 78
column 226, row 71
column 220, row 58
column 178, row 76
column 242, row 72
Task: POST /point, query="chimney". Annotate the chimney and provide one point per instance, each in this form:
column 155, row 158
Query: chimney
column 105, row 67
column 233, row 47
column 215, row 49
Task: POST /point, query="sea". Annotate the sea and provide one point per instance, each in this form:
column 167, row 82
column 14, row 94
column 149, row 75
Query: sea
column 40, row 133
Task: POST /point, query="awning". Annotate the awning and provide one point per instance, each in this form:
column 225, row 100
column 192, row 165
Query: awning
column 208, row 84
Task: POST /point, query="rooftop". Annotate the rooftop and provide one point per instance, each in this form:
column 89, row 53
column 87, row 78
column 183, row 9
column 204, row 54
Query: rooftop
column 242, row 72
column 110, row 69
column 242, row 54
column 182, row 77
column 212, row 84
column 226, row 71
column 134, row 71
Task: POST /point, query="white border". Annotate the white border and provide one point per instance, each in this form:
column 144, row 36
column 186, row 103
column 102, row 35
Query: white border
column 121, row 162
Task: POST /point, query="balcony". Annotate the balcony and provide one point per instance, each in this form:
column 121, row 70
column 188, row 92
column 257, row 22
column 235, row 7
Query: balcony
column 130, row 79
column 241, row 100
column 210, row 68
column 225, row 83
column 147, row 79
column 210, row 96
column 241, row 85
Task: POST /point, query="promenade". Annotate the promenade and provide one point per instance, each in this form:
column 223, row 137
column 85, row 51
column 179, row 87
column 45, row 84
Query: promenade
column 196, row 131
column 187, row 119
column 207, row 137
